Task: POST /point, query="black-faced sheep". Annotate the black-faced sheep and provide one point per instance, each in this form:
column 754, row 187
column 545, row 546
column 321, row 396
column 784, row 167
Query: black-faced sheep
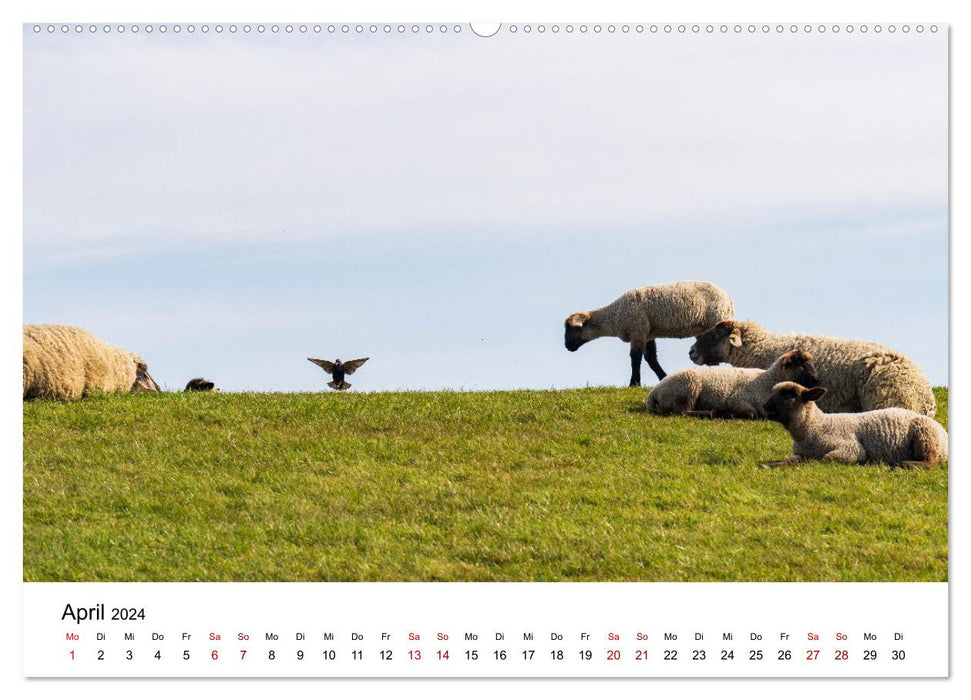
column 65, row 362
column 894, row 436
column 859, row 375
column 728, row 392
column 675, row 310
column 200, row 384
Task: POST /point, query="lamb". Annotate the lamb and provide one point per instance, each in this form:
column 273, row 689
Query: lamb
column 674, row 310
column 894, row 436
column 66, row 362
column 728, row 392
column 859, row 375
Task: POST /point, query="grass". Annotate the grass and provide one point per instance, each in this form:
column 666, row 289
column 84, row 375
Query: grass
column 506, row 486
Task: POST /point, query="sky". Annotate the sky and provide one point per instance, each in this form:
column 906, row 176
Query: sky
column 227, row 205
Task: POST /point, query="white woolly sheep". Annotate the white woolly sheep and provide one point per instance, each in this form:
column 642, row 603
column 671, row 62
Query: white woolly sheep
column 65, row 362
column 674, row 310
column 728, row 392
column 859, row 375
column 894, row 436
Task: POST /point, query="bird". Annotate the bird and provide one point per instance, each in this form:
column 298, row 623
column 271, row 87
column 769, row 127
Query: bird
column 338, row 369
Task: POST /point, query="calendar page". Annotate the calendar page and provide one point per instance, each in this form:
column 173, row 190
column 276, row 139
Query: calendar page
column 448, row 350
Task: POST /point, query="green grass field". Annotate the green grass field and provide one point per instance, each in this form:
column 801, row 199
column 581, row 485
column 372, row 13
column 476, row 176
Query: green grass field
column 506, row 486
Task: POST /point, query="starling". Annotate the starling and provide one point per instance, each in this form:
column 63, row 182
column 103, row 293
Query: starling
column 338, row 369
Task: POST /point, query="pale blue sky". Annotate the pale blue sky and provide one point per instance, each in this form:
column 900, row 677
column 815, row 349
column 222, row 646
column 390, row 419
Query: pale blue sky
column 228, row 205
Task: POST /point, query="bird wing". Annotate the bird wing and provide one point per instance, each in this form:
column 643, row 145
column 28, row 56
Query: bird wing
column 323, row 364
column 352, row 365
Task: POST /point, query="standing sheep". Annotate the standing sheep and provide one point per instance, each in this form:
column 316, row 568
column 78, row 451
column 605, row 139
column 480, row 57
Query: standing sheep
column 860, row 375
column 675, row 310
column 895, row 436
column 728, row 392
column 65, row 362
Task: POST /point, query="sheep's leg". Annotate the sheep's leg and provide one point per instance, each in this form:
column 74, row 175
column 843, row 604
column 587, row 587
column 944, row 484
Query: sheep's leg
column 782, row 463
column 635, row 364
column 650, row 354
column 739, row 411
column 924, row 451
column 701, row 414
column 845, row 454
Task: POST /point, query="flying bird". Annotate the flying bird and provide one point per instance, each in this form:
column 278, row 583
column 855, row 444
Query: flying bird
column 338, row 369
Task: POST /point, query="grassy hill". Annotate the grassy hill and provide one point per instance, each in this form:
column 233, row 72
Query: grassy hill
column 526, row 485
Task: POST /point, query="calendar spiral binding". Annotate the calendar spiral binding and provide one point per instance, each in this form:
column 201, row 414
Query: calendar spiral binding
column 381, row 29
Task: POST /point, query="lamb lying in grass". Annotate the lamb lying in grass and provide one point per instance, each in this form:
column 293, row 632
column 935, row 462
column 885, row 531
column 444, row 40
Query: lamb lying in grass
column 728, row 392
column 895, row 436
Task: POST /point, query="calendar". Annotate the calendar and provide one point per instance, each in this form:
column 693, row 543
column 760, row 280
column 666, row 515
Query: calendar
column 487, row 630
column 321, row 371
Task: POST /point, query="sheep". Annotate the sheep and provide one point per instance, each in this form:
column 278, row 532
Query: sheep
column 895, row 436
column 728, row 392
column 859, row 375
column 66, row 362
column 200, row 384
column 674, row 310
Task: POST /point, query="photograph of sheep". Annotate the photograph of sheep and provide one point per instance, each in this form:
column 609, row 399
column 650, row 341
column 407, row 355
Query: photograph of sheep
column 497, row 235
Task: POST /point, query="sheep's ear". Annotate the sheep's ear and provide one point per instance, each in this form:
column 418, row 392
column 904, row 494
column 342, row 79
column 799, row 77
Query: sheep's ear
column 814, row 394
column 735, row 338
column 577, row 320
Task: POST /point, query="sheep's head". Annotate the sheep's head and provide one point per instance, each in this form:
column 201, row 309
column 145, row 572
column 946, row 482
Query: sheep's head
column 715, row 345
column 200, row 384
column 143, row 380
column 798, row 366
column 580, row 329
column 789, row 399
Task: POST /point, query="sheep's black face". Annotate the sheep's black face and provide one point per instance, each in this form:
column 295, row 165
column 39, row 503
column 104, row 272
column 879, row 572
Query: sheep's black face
column 573, row 341
column 798, row 367
column 574, row 335
column 143, row 380
column 788, row 399
column 714, row 345
column 783, row 402
column 200, row 384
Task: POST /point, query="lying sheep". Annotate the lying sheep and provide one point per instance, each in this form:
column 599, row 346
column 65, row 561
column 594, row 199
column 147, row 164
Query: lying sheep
column 859, row 375
column 675, row 310
column 200, row 384
column 728, row 392
column 65, row 362
column 895, row 436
